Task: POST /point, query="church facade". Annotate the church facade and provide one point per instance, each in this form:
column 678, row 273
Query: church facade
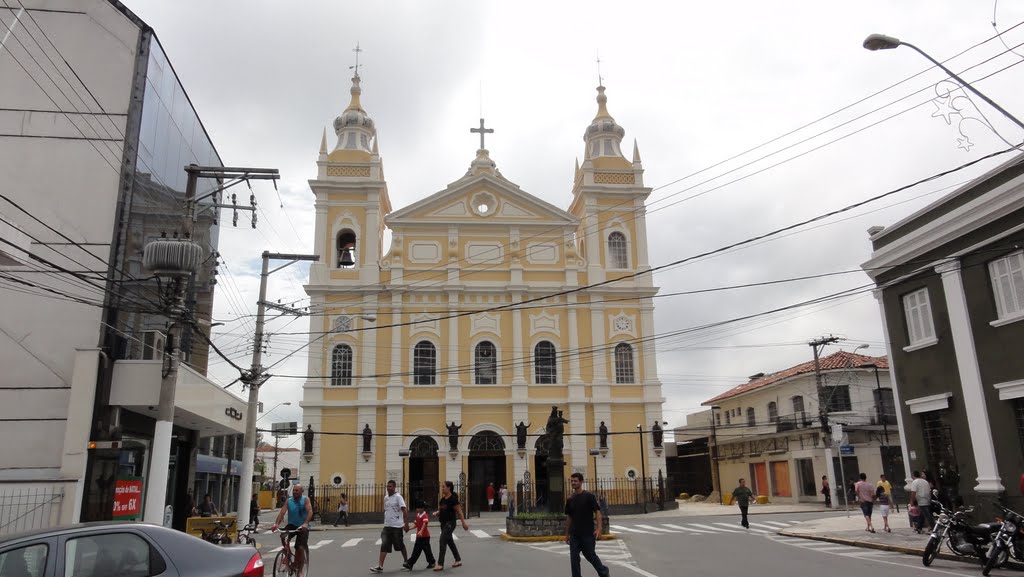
column 488, row 307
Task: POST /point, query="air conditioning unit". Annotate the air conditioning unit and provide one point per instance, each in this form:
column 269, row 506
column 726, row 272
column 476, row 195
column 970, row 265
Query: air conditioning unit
column 153, row 345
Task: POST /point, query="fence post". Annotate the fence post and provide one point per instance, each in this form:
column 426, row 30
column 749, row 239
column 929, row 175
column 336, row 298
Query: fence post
column 661, row 491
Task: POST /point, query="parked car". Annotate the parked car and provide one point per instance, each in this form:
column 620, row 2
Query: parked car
column 121, row 549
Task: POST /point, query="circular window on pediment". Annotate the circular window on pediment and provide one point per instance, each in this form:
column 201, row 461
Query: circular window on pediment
column 484, row 203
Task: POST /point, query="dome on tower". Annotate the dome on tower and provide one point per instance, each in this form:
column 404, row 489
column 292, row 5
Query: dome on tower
column 604, row 135
column 354, row 127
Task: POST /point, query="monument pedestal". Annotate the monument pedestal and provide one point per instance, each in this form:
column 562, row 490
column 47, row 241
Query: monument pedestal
column 556, row 484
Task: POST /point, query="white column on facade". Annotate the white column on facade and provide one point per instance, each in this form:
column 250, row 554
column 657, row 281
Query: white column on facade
column 597, row 332
column 318, row 269
column 574, row 343
column 594, row 243
column 312, row 416
column 78, row 426
column 657, row 463
column 394, row 443
column 397, row 353
column 519, row 356
column 520, row 412
column 895, row 389
column 970, row 379
column 453, row 466
column 606, row 463
column 579, row 445
column 640, row 220
column 367, row 340
column 453, row 339
column 369, row 271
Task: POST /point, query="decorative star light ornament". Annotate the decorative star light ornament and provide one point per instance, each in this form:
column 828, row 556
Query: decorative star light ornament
column 951, row 100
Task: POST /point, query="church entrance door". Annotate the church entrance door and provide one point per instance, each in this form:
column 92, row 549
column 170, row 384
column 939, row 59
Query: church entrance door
column 423, row 472
column 486, row 465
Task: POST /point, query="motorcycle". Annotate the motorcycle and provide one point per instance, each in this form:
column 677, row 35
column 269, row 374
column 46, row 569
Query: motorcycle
column 1007, row 541
column 962, row 538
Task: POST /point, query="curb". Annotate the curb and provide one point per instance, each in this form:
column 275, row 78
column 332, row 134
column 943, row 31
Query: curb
column 549, row 539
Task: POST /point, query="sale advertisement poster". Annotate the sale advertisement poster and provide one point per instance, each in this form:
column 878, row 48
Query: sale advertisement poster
column 128, row 498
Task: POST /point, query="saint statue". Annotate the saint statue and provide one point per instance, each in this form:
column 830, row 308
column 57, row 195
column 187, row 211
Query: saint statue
column 367, row 436
column 657, row 433
column 602, row 434
column 521, row 435
column 453, row 436
column 555, row 428
column 307, row 439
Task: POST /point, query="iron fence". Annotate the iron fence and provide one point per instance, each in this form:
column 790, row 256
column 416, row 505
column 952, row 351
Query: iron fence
column 615, row 494
column 368, row 498
column 25, row 508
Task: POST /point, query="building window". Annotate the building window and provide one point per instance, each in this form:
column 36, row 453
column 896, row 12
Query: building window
column 837, row 398
column 1008, row 284
column 751, row 417
column 346, row 249
column 728, row 417
column 798, row 410
column 341, row 366
column 773, row 412
column 919, row 317
column 486, row 363
column 885, row 406
column 718, row 419
column 545, row 369
column 424, row 364
column 623, row 363
column 938, row 442
column 617, row 250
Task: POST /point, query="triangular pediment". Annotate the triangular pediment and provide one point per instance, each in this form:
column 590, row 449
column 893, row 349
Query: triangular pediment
column 482, row 199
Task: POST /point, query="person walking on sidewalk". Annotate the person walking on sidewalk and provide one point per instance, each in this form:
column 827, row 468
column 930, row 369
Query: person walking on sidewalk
column 826, row 491
column 395, row 527
column 883, row 506
column 490, row 496
column 866, row 496
column 742, row 496
column 580, row 531
column 422, row 539
column 448, row 510
column 342, row 510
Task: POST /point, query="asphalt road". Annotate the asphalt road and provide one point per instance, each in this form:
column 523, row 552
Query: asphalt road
column 713, row 546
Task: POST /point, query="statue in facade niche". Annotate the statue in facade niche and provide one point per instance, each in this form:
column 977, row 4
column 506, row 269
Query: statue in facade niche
column 555, row 428
column 602, row 435
column 453, row 436
column 521, row 435
column 367, row 437
column 657, row 433
column 307, row 439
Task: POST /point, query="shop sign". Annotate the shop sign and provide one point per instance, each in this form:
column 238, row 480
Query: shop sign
column 127, row 498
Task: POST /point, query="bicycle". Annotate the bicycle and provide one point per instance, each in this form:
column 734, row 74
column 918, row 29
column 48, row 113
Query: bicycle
column 245, row 535
column 284, row 560
column 218, row 535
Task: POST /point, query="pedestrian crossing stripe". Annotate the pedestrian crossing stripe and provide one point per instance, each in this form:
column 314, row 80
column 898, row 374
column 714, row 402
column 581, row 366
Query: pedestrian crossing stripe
column 767, row 527
column 322, row 543
column 777, row 523
column 740, row 531
column 658, row 529
column 630, row 530
column 716, row 529
column 481, row 534
column 690, row 529
column 352, row 542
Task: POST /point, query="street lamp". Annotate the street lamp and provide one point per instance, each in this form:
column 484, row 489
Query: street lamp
column 286, row 403
column 716, row 479
column 404, row 454
column 643, row 465
column 594, row 453
column 883, row 42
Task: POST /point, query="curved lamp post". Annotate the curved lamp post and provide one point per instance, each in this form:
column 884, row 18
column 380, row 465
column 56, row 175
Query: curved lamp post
column 883, row 42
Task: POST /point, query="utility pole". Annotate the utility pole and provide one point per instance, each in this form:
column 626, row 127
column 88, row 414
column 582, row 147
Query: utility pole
column 255, row 376
column 177, row 260
column 817, row 345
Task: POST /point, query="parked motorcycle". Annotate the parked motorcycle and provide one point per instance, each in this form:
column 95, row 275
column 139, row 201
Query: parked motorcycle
column 1007, row 540
column 962, row 538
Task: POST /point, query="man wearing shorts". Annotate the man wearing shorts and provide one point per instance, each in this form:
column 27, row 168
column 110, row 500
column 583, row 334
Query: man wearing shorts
column 299, row 513
column 866, row 496
column 395, row 527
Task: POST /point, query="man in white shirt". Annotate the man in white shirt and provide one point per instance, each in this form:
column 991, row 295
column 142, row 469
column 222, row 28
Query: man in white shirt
column 922, row 490
column 395, row 527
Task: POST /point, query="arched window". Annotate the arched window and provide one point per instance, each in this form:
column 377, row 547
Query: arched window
column 623, row 363
column 341, row 366
column 798, row 411
column 544, row 363
column 424, row 364
column 773, row 412
column 485, row 361
column 751, row 419
column 617, row 250
column 346, row 249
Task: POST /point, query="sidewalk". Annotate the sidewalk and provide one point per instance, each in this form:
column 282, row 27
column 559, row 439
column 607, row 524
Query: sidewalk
column 850, row 531
column 687, row 509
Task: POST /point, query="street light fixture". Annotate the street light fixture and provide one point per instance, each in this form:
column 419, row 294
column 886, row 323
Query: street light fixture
column 286, row 403
column 882, row 42
column 594, row 453
column 404, row 454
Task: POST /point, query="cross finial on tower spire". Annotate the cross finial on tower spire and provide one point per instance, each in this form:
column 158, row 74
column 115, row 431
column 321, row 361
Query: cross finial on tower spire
column 600, row 80
column 357, row 50
column 482, row 131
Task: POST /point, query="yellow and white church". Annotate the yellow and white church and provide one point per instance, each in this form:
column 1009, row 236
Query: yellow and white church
column 489, row 307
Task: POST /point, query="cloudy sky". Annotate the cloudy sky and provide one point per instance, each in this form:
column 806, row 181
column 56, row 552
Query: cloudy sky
column 750, row 116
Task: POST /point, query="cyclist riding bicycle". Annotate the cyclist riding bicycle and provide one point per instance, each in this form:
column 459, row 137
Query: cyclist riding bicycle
column 299, row 513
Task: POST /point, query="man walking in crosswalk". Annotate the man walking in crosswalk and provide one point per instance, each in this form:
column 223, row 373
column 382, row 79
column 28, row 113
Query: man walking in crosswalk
column 742, row 496
column 580, row 531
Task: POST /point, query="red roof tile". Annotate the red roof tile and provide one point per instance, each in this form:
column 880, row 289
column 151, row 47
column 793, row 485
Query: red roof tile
column 839, row 360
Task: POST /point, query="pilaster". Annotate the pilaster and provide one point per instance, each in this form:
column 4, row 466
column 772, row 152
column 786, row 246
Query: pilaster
column 901, row 426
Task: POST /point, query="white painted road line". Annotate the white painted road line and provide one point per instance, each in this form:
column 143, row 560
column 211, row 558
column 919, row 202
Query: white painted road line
column 352, row 542
column 274, row 550
column 776, row 523
column 766, row 527
column 630, row 530
column 690, row 529
column 716, row 529
column 479, row 533
column 657, row 529
column 322, row 543
column 742, row 530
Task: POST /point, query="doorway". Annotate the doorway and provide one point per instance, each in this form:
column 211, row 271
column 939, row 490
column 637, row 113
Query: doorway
column 486, row 465
column 423, row 471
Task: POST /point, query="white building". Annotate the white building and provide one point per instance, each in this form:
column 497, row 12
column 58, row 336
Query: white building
column 95, row 130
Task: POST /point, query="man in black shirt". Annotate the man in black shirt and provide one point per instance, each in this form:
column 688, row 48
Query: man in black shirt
column 580, row 531
column 448, row 510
